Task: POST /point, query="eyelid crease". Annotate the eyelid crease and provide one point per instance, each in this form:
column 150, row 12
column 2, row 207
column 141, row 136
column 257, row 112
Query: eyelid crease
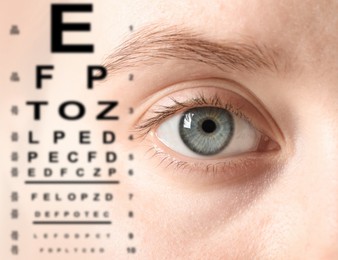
column 165, row 112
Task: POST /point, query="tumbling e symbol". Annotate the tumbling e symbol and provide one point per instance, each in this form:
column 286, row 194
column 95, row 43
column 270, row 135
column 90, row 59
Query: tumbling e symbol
column 15, row 110
column 15, row 235
column 15, row 172
column 14, row 157
column 14, row 30
column 14, row 214
column 14, row 137
column 15, row 250
column 14, row 197
column 15, row 76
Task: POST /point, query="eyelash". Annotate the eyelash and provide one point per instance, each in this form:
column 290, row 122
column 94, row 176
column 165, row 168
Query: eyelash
column 164, row 112
column 207, row 169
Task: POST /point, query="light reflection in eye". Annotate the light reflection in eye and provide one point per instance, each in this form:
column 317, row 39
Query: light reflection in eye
column 188, row 120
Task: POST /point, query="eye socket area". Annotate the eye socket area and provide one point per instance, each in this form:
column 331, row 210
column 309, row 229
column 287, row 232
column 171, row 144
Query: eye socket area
column 165, row 110
column 158, row 129
column 209, row 132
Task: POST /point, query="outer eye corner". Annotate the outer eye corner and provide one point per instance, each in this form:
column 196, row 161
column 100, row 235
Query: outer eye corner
column 266, row 143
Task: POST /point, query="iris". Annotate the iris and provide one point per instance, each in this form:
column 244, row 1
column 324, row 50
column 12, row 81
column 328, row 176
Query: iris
column 206, row 130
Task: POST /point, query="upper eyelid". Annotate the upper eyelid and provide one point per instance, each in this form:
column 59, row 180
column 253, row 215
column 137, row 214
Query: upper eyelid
column 165, row 112
column 236, row 90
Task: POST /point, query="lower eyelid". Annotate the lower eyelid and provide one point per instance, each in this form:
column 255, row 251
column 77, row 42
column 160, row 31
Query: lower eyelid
column 212, row 172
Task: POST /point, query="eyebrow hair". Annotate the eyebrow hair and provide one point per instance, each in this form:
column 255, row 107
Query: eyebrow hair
column 152, row 44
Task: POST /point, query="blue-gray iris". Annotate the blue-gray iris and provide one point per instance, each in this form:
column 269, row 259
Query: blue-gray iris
column 206, row 130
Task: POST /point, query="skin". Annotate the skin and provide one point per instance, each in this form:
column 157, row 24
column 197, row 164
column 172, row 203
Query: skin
column 283, row 207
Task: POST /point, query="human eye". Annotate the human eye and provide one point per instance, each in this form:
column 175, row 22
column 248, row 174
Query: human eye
column 208, row 129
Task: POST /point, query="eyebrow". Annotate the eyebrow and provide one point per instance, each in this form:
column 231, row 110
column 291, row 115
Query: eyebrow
column 151, row 44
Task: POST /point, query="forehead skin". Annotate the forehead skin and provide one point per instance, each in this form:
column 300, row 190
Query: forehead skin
column 300, row 28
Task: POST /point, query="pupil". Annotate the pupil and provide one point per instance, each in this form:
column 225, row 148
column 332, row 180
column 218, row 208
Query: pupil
column 208, row 126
